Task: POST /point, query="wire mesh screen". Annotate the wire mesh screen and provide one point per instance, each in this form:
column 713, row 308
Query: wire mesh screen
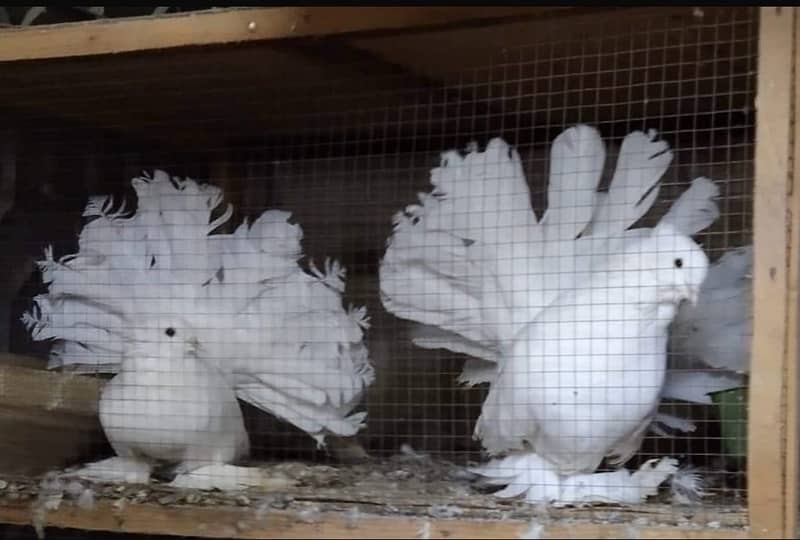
column 450, row 263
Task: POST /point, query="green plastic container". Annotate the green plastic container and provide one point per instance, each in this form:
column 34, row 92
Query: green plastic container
column 732, row 409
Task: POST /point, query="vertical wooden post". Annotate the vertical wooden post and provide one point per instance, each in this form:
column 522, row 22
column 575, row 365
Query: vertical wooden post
column 772, row 485
column 792, row 524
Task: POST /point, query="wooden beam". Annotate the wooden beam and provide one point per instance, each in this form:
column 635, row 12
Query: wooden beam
column 26, row 388
column 792, row 505
column 235, row 522
column 213, row 27
column 53, row 416
column 774, row 280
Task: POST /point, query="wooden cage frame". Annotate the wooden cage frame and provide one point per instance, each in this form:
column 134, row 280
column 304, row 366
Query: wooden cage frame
column 773, row 419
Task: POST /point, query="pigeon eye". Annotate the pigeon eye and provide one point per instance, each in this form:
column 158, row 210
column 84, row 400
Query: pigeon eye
column 170, row 331
column 678, row 263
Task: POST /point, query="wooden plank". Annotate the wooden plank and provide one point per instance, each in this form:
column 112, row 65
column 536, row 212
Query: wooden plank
column 233, row 522
column 52, row 415
column 792, row 505
column 26, row 388
column 230, row 26
column 767, row 463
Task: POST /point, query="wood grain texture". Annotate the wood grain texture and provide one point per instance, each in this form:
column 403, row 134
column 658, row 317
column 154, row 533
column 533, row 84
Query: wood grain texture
column 792, row 504
column 52, row 416
column 230, row 26
column 772, row 276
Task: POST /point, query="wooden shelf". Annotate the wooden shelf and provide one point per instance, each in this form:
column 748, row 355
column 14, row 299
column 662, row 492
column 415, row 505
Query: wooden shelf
column 233, row 25
column 179, row 96
column 238, row 522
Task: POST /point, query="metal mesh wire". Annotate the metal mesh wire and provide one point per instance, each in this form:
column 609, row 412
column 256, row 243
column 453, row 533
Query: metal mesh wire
column 343, row 134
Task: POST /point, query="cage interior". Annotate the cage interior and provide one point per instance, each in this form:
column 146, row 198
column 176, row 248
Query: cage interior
column 343, row 133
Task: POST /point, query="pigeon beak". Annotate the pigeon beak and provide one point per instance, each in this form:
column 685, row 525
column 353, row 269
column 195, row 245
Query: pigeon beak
column 194, row 344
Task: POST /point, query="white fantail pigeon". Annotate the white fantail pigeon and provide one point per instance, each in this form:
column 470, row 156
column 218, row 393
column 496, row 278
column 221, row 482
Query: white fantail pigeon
column 153, row 296
column 582, row 382
column 472, row 264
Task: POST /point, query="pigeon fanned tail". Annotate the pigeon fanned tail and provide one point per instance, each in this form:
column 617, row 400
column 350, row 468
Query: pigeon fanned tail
column 260, row 317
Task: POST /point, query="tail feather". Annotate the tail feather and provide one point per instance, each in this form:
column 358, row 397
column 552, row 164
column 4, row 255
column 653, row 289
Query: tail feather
column 695, row 209
column 433, row 278
column 482, row 195
column 259, row 316
column 576, row 165
column 641, row 164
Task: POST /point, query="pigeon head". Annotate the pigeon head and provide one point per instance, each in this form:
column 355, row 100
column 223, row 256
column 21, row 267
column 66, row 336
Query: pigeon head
column 163, row 339
column 664, row 267
column 676, row 263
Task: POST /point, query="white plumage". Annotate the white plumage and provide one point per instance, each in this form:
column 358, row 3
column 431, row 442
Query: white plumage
column 474, row 267
column 472, row 264
column 277, row 336
column 166, row 404
column 582, row 382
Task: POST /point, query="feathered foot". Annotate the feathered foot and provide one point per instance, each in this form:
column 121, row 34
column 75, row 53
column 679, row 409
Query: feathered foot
column 688, row 486
column 231, row 478
column 522, row 473
column 113, row 470
column 618, row 487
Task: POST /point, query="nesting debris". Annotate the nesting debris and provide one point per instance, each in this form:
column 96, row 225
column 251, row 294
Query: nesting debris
column 443, row 511
column 427, row 488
